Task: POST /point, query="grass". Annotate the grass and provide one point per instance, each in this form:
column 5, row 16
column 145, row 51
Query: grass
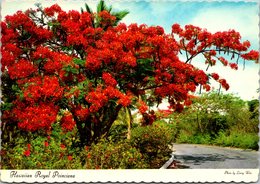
column 234, row 139
column 239, row 140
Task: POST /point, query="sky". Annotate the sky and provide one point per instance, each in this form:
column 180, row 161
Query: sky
column 212, row 15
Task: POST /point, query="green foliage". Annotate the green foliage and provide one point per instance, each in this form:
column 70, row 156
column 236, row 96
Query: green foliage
column 44, row 152
column 153, row 142
column 6, row 106
column 79, row 62
column 119, row 15
column 194, row 139
column 118, row 132
column 236, row 139
column 110, row 155
column 253, row 106
column 218, row 119
column 69, row 69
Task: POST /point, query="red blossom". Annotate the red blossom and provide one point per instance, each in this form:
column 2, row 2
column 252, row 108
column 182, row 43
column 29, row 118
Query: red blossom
column 223, row 60
column 206, row 87
column 187, row 102
column 252, row 55
column 215, row 76
column 27, row 153
column 48, row 87
column 129, row 59
column 201, row 77
column 233, row 66
column 89, row 155
column 62, row 146
column 165, row 113
column 28, row 146
column 142, row 107
column 82, row 113
column 70, row 157
column 50, row 11
column 67, row 122
column 125, row 100
column 109, row 80
column 176, row 28
column 106, row 18
column 35, row 117
column 23, row 68
column 224, row 83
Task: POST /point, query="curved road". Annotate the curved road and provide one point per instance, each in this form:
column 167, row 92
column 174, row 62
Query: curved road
column 214, row 157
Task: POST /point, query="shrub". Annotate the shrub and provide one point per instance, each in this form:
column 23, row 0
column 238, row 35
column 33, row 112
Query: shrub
column 41, row 152
column 118, row 131
column 110, row 155
column 239, row 140
column 153, row 142
column 184, row 137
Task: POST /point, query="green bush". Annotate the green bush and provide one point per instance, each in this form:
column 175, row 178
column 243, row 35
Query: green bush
column 119, row 131
column 36, row 151
column 110, row 155
column 154, row 142
column 184, row 137
column 239, row 140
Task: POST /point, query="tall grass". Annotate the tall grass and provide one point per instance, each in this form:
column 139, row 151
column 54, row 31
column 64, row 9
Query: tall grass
column 237, row 139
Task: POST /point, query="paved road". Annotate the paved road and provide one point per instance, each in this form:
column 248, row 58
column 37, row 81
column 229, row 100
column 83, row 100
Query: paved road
column 213, row 157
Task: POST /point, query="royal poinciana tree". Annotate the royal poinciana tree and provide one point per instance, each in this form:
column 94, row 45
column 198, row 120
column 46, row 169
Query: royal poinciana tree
column 80, row 69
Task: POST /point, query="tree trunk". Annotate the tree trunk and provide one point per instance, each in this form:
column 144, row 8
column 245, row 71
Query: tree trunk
column 129, row 120
column 198, row 122
column 97, row 126
column 84, row 131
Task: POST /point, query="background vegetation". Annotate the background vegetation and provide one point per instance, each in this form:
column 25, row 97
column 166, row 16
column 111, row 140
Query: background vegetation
column 218, row 119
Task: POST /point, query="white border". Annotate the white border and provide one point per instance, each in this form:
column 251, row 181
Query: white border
column 127, row 175
column 148, row 175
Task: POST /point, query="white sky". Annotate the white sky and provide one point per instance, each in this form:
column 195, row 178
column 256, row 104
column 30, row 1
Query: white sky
column 215, row 16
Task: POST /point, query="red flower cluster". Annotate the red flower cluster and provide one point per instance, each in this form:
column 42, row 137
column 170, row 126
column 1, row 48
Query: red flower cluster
column 109, row 80
column 21, row 69
column 233, row 66
column 106, row 19
column 223, row 61
column 67, row 122
column 41, row 89
column 36, row 117
column 50, row 11
column 252, row 55
column 224, row 83
column 81, row 113
column 27, row 152
column 142, row 107
column 215, row 76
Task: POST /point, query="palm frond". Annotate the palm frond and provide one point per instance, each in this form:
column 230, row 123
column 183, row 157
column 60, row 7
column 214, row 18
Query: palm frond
column 109, row 9
column 120, row 15
column 101, row 6
column 88, row 9
column 81, row 9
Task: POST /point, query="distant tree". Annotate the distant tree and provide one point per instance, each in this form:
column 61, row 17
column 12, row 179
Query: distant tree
column 212, row 113
column 253, row 106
